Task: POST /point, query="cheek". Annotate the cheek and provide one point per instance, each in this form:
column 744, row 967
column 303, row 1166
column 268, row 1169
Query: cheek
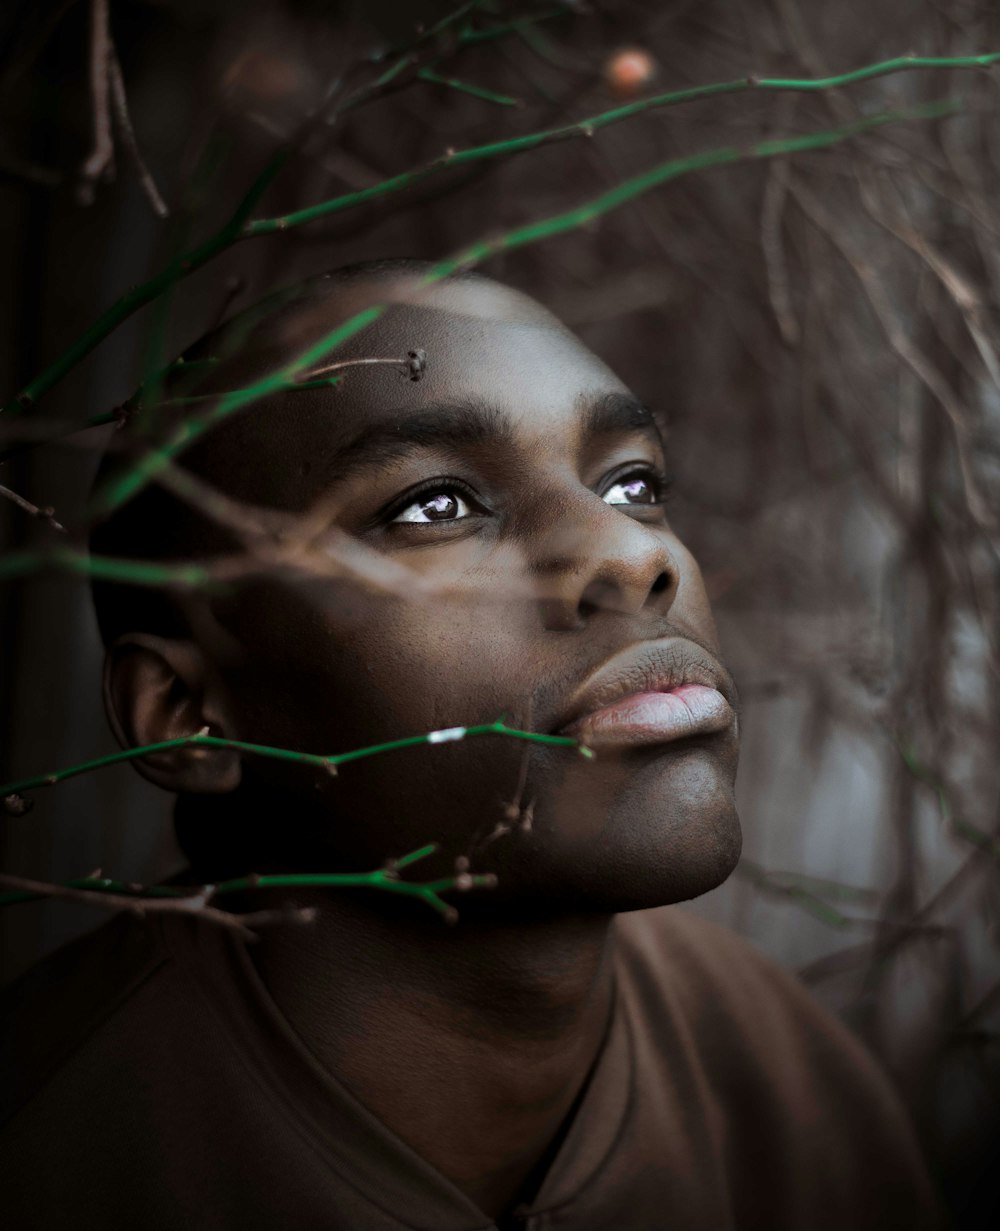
column 331, row 667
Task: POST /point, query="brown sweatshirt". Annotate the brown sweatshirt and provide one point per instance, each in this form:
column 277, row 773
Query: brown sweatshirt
column 147, row 1080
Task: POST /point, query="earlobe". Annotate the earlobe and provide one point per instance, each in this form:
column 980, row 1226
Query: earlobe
column 158, row 689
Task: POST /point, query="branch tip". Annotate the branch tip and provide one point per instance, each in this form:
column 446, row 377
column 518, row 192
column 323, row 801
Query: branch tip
column 17, row 805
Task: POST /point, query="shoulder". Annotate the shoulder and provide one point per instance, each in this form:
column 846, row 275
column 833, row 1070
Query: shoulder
column 725, row 987
column 793, row 1091
column 56, row 1006
column 734, row 1002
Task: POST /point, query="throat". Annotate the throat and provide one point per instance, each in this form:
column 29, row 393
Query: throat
column 472, row 1046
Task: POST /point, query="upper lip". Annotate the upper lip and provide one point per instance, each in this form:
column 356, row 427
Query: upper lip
column 651, row 666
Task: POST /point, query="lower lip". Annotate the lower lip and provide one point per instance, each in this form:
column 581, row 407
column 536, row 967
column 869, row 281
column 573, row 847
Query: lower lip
column 656, row 717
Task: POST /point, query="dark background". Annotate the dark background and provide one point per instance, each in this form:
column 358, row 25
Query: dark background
column 820, row 332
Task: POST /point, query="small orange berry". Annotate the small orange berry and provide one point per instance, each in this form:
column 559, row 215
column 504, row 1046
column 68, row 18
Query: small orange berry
column 630, row 70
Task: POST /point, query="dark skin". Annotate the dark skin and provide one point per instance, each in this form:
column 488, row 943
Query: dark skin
column 522, row 485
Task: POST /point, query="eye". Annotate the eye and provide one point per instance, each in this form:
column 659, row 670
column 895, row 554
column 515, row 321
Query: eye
column 641, row 487
column 442, row 504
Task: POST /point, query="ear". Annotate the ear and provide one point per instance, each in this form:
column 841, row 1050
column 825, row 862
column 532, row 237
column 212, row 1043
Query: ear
column 160, row 688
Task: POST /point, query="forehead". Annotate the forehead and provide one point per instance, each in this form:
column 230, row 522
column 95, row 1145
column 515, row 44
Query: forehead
column 486, row 346
column 482, row 341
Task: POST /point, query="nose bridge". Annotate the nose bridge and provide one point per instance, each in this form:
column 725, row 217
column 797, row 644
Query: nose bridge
column 591, row 556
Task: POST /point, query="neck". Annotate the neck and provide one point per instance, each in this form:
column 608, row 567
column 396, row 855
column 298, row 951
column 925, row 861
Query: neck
column 470, row 1043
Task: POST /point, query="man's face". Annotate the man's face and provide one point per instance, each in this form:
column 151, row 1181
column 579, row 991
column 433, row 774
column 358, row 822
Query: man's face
column 522, row 485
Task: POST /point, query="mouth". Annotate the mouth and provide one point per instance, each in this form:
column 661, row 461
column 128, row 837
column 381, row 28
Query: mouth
column 654, row 693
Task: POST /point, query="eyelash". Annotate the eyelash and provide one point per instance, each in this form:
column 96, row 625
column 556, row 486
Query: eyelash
column 662, row 484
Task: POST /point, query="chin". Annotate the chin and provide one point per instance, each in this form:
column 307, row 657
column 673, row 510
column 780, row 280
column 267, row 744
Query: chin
column 664, row 832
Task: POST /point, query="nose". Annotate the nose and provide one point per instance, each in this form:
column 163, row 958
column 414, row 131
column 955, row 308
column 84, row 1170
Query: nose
column 599, row 558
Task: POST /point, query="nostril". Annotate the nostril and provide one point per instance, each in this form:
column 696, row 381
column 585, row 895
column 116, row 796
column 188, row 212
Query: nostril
column 661, row 583
column 599, row 596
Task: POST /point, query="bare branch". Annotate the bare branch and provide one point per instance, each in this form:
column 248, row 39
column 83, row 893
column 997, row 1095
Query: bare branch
column 195, row 904
column 127, row 133
column 101, row 161
column 47, row 514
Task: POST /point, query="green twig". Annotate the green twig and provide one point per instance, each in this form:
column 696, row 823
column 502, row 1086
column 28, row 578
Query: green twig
column 327, row 763
column 195, row 899
column 593, row 124
column 107, row 568
column 238, row 226
column 797, row 890
column 127, row 485
column 987, row 842
column 464, row 87
column 469, row 36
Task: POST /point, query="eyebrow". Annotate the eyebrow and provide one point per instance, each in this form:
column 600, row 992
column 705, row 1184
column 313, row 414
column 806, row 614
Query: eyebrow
column 474, row 422
column 618, row 412
column 440, row 424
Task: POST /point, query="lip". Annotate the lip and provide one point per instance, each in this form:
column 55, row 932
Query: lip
column 653, row 693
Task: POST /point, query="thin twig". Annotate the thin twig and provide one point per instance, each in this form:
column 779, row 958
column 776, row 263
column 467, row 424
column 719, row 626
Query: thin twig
column 127, row 134
column 125, row 486
column 465, row 87
column 327, row 764
column 141, row 900
column 29, row 172
column 24, row 889
column 908, row 352
column 46, row 514
column 412, row 364
column 238, row 227
column 101, row 161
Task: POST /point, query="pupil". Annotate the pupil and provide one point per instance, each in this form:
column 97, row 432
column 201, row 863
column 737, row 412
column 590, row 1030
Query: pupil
column 638, row 490
column 441, row 507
